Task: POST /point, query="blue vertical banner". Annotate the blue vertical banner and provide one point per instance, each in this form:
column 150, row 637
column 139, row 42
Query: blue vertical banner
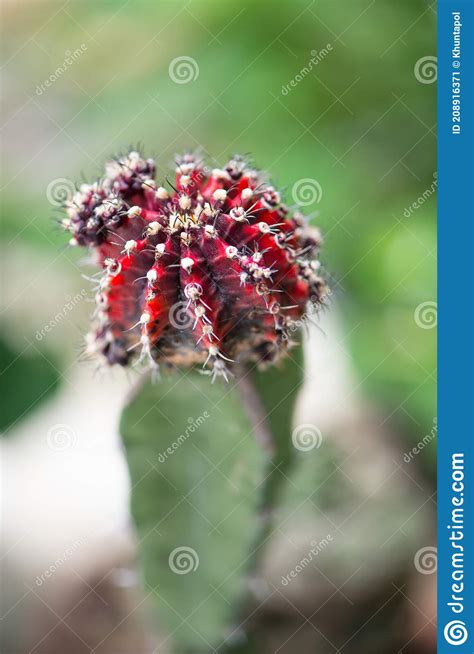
column 455, row 326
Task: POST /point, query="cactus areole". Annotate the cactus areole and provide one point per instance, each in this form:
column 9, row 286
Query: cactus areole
column 210, row 269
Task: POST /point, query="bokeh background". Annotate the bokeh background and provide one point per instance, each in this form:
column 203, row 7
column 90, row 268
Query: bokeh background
column 361, row 124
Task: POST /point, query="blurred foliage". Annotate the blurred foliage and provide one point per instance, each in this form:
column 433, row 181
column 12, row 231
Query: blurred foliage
column 360, row 123
column 26, row 381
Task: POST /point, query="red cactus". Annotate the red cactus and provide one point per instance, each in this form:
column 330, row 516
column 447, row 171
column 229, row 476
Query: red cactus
column 217, row 270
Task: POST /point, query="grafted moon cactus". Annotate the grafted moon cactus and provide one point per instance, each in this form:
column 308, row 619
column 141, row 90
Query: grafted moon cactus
column 213, row 270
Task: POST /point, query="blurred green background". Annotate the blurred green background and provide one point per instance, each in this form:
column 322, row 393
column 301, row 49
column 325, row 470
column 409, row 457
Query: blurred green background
column 360, row 123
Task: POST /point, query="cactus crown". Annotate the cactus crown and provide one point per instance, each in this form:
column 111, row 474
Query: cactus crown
column 213, row 269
